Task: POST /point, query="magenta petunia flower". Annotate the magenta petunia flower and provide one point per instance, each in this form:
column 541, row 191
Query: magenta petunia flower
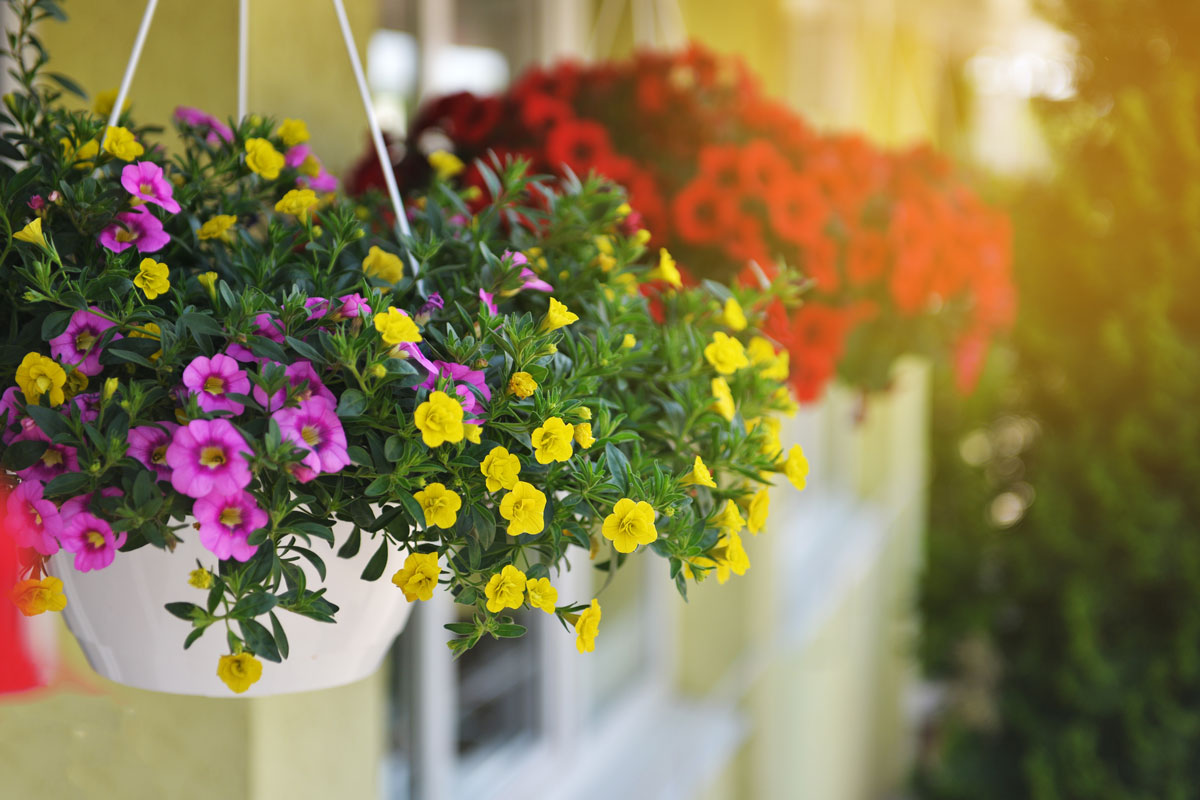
column 144, row 180
column 211, row 380
column 148, row 445
column 10, row 413
column 489, row 300
column 315, row 427
column 139, row 229
column 353, row 306
column 532, row 281
column 266, row 326
column 88, row 405
column 321, row 182
column 194, row 117
column 226, row 522
column 34, row 521
column 464, row 377
column 317, row 307
column 79, row 344
column 82, row 502
column 297, row 373
column 59, row 459
column 37, row 202
column 92, row 541
column 207, row 456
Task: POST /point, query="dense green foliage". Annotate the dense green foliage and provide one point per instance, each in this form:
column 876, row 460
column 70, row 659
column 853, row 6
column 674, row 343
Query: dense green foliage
column 1072, row 637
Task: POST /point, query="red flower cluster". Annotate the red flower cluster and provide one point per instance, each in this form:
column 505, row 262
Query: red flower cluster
column 723, row 176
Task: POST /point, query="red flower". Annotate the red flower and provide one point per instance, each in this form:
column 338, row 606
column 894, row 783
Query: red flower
column 866, row 257
column 761, row 167
column 796, row 208
column 577, row 143
column 702, row 212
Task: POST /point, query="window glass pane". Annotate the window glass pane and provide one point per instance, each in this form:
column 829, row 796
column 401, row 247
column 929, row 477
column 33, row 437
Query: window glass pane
column 621, row 653
column 397, row 777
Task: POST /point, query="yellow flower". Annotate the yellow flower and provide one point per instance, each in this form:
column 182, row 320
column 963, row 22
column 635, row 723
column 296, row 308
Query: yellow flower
column 723, row 399
column 641, row 238
column 783, row 398
column 629, row 525
column 730, row 519
column 473, row 432
column 536, row 260
column 733, row 316
column 558, row 316
column 297, row 202
column 762, row 354
column 383, row 265
column 725, row 353
column 583, row 435
column 700, row 475
column 217, row 228
column 796, row 467
column 396, row 327
column 76, row 383
column 440, row 420
column 541, row 594
column 666, row 270
column 38, row 375
column 501, row 469
column 703, row 565
column 629, row 342
column 730, row 556
column 603, row 244
column 152, row 278
column 440, row 505
column 32, row 233
column 200, row 578
column 122, row 144
column 552, row 441
column 310, row 166
column 104, row 102
column 445, row 164
column 522, row 384
column 584, row 412
column 82, row 156
column 263, row 159
column 760, row 505
column 33, row 597
column 624, row 210
column 110, row 388
column 470, row 194
column 239, row 672
column 506, row 589
column 209, row 281
column 292, row 132
column 419, row 576
column 524, row 508
column 586, row 628
column 770, row 445
column 148, row 330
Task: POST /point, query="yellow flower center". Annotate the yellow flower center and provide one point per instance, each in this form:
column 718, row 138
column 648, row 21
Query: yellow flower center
column 310, row 435
column 159, row 455
column 52, row 457
column 231, row 517
column 43, row 383
column 126, row 236
column 95, row 539
column 37, row 518
column 146, row 188
column 84, row 341
column 212, row 456
column 214, row 385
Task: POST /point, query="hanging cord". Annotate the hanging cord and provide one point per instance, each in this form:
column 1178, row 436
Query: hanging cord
column 385, row 161
column 130, row 68
column 243, row 79
column 671, row 24
column 604, row 33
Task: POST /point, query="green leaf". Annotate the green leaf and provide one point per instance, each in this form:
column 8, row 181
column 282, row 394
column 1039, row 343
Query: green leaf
column 193, row 636
column 55, row 323
column 377, row 564
column 259, row 640
column 351, row 404
column 188, row 611
column 509, row 631
column 281, row 640
column 67, row 84
column 350, row 548
column 461, row 628
column 252, row 605
column 304, row 349
column 51, row 422
column 618, row 465
column 24, row 454
column 312, row 558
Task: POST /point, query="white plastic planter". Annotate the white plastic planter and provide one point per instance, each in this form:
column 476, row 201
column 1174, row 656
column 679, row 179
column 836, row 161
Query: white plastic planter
column 118, row 616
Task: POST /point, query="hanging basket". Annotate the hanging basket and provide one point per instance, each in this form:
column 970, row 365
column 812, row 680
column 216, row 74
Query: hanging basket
column 117, row 614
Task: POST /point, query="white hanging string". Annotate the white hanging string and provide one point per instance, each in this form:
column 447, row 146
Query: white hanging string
column 385, row 161
column 243, row 78
column 130, row 67
column 671, row 24
column 604, row 33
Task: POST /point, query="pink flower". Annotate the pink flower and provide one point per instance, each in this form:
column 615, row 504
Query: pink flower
column 80, row 503
column 92, row 541
column 265, row 326
column 195, row 118
column 296, row 157
column 139, row 228
column 148, row 445
column 9, row 406
column 489, row 300
column 317, row 307
column 532, row 281
column 315, row 427
column 88, row 405
column 79, row 344
column 37, row 203
column 226, row 522
column 297, row 373
column 208, row 456
column 353, row 306
column 59, row 459
column 34, row 520
column 464, row 378
column 144, row 180
column 212, row 379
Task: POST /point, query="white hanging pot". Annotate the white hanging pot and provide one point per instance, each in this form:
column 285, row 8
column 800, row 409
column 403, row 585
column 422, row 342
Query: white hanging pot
column 118, row 616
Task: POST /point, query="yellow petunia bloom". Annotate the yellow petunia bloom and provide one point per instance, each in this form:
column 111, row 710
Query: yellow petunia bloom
column 217, row 228
column 419, row 576
column 762, row 354
column 292, row 132
column 104, row 102
column 700, row 475
column 552, row 441
column 770, row 444
column 440, row 420
column 440, row 505
column 209, row 281
column 121, row 143
column 39, row 375
column 396, row 327
column 263, row 159
column 583, row 435
column 666, row 270
column 152, row 278
column 500, row 468
column 505, row 589
column 524, row 508
column 383, row 265
column 148, row 330
column 629, row 525
column 587, row 627
column 239, row 672
column 796, row 467
column 76, row 383
column 733, row 316
column 723, row 399
column 725, row 353
column 473, row 432
column 445, row 164
column 756, row 517
column 81, row 156
column 522, row 384
column 541, row 594
column 558, row 316
column 200, row 578
column 730, row 556
column 297, row 202
column 33, row 597
column 730, row 519
column 629, row 342
column 32, row 233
